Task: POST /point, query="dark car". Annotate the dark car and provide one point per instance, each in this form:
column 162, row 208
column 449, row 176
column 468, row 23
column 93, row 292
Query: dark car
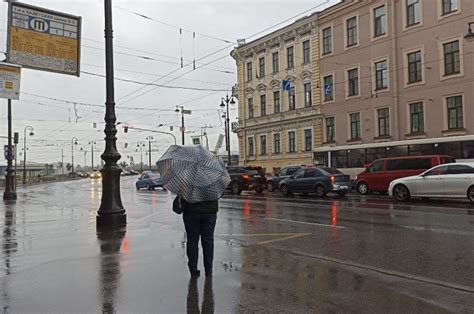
column 149, row 181
column 273, row 182
column 318, row 180
column 245, row 179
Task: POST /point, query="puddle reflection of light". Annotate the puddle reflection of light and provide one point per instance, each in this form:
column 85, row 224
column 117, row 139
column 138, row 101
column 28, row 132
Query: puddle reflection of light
column 333, row 214
column 124, row 248
column 153, row 201
column 246, row 208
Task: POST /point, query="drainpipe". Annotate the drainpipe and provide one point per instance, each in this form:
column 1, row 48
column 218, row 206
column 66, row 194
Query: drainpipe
column 396, row 104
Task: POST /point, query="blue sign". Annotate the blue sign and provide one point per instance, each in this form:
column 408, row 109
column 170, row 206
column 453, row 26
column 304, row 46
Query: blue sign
column 286, row 85
column 328, row 89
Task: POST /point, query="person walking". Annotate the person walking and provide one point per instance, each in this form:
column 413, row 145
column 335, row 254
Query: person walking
column 199, row 221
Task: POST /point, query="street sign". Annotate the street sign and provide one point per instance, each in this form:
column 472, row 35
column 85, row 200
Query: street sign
column 196, row 140
column 44, row 40
column 10, row 75
column 328, row 89
column 185, row 111
column 286, row 85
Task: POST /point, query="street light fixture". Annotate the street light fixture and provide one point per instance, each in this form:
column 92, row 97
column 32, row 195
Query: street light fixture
column 73, row 142
column 225, row 103
column 27, row 128
column 469, row 36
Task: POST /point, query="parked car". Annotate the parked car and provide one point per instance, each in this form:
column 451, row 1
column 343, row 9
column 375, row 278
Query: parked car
column 273, row 182
column 378, row 175
column 245, row 179
column 318, row 180
column 149, row 181
column 454, row 180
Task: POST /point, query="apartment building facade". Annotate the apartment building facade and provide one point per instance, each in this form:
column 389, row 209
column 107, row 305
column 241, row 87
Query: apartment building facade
column 397, row 78
column 279, row 120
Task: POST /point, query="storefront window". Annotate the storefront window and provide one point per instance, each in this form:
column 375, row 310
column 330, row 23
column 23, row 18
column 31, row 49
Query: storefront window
column 356, row 158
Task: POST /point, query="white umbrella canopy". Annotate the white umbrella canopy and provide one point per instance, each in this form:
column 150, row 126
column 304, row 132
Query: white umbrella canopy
column 193, row 173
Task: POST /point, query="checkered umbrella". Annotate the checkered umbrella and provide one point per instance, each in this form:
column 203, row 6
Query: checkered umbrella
column 193, row 173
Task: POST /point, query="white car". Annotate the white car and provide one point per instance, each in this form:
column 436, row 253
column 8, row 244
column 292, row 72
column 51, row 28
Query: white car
column 453, row 180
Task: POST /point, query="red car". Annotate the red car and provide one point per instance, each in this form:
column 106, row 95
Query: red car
column 378, row 175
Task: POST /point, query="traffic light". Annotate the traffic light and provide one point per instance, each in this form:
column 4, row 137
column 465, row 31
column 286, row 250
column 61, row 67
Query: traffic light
column 125, row 127
column 15, row 138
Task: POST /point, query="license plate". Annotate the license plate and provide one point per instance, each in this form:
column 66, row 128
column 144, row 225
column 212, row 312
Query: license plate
column 344, row 187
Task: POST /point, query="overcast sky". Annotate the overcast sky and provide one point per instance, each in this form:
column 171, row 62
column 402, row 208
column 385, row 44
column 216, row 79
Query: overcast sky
column 216, row 23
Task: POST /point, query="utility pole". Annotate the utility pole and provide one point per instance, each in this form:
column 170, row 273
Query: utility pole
column 149, row 138
column 183, row 112
column 10, row 191
column 92, row 154
column 225, row 103
column 73, row 142
column 111, row 212
column 24, row 150
column 62, row 161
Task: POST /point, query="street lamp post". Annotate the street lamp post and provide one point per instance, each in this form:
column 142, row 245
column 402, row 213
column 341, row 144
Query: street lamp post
column 140, row 146
column 111, row 212
column 183, row 112
column 149, row 138
column 27, row 128
column 73, row 142
column 225, row 103
column 92, row 143
column 10, row 190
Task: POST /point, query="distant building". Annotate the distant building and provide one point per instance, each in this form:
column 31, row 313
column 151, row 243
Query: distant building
column 279, row 120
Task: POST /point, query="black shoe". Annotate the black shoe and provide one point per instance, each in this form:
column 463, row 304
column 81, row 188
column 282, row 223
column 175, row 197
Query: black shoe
column 195, row 273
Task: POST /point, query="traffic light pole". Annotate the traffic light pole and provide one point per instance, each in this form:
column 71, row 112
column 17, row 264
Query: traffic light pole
column 10, row 191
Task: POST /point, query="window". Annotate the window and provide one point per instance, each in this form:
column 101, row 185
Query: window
column 353, row 81
column 249, row 71
column 452, row 64
column 250, row 142
column 455, row 112
column 441, row 170
column 417, row 124
column 449, row 6
column 276, row 102
column 408, row 164
column 263, row 105
column 308, row 102
column 292, row 141
column 330, row 130
column 351, row 28
column 276, row 143
column 299, row 174
column 355, row 125
column 261, row 67
column 291, row 98
column 290, row 62
column 379, row 21
column 413, row 12
column 384, row 121
column 460, row 169
column 250, row 107
column 263, row 145
column 376, row 166
column 328, row 88
column 312, row 173
column 306, row 52
column 275, row 62
column 327, row 40
column 308, row 140
column 381, row 75
column 414, row 67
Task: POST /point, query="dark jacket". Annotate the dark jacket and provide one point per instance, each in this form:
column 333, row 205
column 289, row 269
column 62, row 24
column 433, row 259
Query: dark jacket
column 207, row 207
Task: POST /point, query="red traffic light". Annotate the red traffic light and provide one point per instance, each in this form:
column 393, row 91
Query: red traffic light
column 125, row 127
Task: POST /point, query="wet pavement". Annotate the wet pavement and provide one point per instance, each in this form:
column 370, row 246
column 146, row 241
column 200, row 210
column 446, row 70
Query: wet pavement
column 272, row 255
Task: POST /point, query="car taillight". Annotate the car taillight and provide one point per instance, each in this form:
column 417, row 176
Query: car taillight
column 332, row 179
column 245, row 176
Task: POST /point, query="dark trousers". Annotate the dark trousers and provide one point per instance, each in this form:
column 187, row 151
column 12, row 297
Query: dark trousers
column 199, row 225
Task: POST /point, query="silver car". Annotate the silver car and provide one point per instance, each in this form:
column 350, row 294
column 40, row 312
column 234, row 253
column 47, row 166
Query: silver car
column 453, row 180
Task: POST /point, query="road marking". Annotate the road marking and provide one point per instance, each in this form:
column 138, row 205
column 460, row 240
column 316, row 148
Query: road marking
column 286, row 236
column 305, row 223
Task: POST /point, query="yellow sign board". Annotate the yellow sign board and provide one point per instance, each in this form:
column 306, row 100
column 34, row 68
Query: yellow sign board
column 10, row 75
column 43, row 39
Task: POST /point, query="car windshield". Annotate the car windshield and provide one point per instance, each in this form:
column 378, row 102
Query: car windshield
column 330, row 170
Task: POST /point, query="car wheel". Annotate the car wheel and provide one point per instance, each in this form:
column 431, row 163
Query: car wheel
column 341, row 193
column 270, row 187
column 363, row 188
column 320, row 191
column 284, row 190
column 470, row 194
column 401, row 193
column 148, row 186
column 236, row 188
column 137, row 187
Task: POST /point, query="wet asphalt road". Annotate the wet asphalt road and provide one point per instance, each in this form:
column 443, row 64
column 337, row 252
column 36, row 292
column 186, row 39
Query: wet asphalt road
column 273, row 255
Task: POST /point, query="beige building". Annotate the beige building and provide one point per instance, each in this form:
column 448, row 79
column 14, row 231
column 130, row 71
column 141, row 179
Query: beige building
column 397, row 79
column 279, row 125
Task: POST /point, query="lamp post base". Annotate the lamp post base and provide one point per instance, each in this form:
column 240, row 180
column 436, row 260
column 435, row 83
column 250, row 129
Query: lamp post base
column 111, row 212
column 111, row 221
column 10, row 193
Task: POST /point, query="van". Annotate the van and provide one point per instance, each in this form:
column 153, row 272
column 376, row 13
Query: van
column 378, row 174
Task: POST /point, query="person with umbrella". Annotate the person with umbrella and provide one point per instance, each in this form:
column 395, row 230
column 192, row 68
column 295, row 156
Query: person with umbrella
column 199, row 179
